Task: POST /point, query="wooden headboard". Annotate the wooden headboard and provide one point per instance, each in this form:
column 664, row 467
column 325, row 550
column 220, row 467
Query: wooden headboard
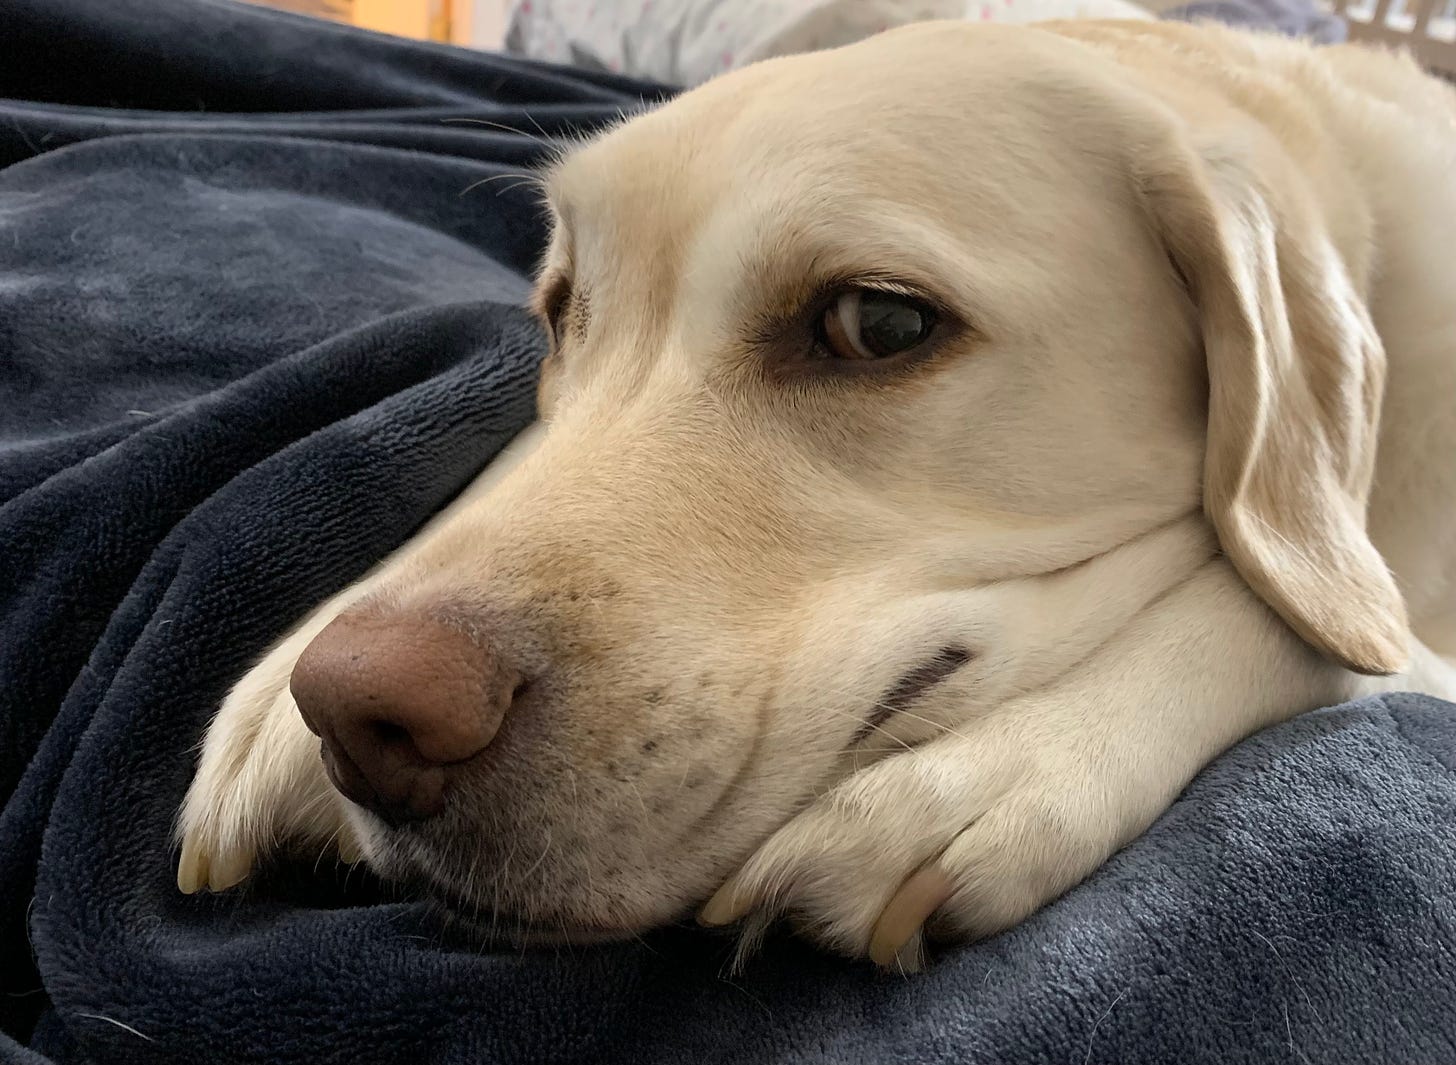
column 1425, row 28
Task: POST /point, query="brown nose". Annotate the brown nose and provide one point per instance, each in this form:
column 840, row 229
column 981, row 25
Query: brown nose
column 396, row 699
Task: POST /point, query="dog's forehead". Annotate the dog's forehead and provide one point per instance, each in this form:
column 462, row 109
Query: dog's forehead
column 931, row 119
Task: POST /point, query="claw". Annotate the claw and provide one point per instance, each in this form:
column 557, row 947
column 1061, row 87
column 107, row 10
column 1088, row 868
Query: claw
column 191, row 868
column 727, row 905
column 230, row 870
column 198, row 869
column 896, row 938
column 910, row 958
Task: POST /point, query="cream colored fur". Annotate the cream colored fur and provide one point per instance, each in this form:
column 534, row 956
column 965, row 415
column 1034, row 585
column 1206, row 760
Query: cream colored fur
column 1189, row 469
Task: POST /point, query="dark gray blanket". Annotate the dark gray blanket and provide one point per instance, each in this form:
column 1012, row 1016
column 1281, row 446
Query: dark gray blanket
column 253, row 330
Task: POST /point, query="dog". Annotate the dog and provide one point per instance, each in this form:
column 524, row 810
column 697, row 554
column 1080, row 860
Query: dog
column 949, row 444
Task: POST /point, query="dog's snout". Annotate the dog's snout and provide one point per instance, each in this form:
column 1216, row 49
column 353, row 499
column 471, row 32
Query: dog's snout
column 397, row 699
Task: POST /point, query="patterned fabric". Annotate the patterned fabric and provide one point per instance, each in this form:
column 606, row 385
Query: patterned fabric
column 686, row 42
column 1296, row 18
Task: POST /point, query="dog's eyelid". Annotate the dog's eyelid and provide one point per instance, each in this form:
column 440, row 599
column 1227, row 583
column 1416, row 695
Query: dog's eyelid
column 885, row 284
column 832, row 288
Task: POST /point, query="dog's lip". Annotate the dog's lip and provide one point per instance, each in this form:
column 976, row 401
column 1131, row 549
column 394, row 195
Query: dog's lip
column 912, row 684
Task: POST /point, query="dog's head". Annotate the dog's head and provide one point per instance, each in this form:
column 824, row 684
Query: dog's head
column 874, row 374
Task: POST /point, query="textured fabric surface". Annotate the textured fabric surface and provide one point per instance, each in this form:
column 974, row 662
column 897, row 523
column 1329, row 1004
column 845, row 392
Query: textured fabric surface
column 253, row 331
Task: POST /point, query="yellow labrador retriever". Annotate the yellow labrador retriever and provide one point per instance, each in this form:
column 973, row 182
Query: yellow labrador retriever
column 950, row 444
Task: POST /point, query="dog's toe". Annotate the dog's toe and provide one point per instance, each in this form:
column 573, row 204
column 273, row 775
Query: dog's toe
column 259, row 784
column 203, row 867
column 954, row 841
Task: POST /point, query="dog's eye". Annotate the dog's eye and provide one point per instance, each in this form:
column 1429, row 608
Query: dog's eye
column 865, row 324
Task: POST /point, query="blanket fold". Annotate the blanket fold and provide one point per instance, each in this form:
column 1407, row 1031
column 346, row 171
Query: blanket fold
column 260, row 317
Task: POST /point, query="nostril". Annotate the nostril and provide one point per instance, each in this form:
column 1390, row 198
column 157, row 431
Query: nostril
column 390, row 734
column 398, row 698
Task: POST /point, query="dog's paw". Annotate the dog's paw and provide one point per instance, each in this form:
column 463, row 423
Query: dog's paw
column 259, row 784
column 960, row 838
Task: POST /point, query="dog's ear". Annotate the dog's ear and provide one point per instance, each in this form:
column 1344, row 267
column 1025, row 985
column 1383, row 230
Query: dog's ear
column 1295, row 377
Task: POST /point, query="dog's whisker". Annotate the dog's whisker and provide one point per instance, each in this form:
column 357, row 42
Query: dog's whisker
column 516, row 175
column 870, row 725
column 532, row 119
column 545, row 850
column 328, row 845
column 520, row 180
column 544, row 139
column 520, row 184
column 940, row 726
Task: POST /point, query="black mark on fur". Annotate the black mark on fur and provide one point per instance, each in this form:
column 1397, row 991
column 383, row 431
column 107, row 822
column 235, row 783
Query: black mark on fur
column 912, row 686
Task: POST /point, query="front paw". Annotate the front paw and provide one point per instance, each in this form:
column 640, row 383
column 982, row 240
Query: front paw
column 962, row 838
column 259, row 784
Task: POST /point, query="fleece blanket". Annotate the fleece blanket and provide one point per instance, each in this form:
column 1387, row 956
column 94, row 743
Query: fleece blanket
column 259, row 294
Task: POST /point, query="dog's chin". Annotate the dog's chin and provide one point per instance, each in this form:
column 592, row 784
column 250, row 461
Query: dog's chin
column 495, row 927
column 478, row 920
column 526, row 936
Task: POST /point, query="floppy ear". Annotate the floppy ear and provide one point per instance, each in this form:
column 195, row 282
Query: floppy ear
column 1295, row 377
